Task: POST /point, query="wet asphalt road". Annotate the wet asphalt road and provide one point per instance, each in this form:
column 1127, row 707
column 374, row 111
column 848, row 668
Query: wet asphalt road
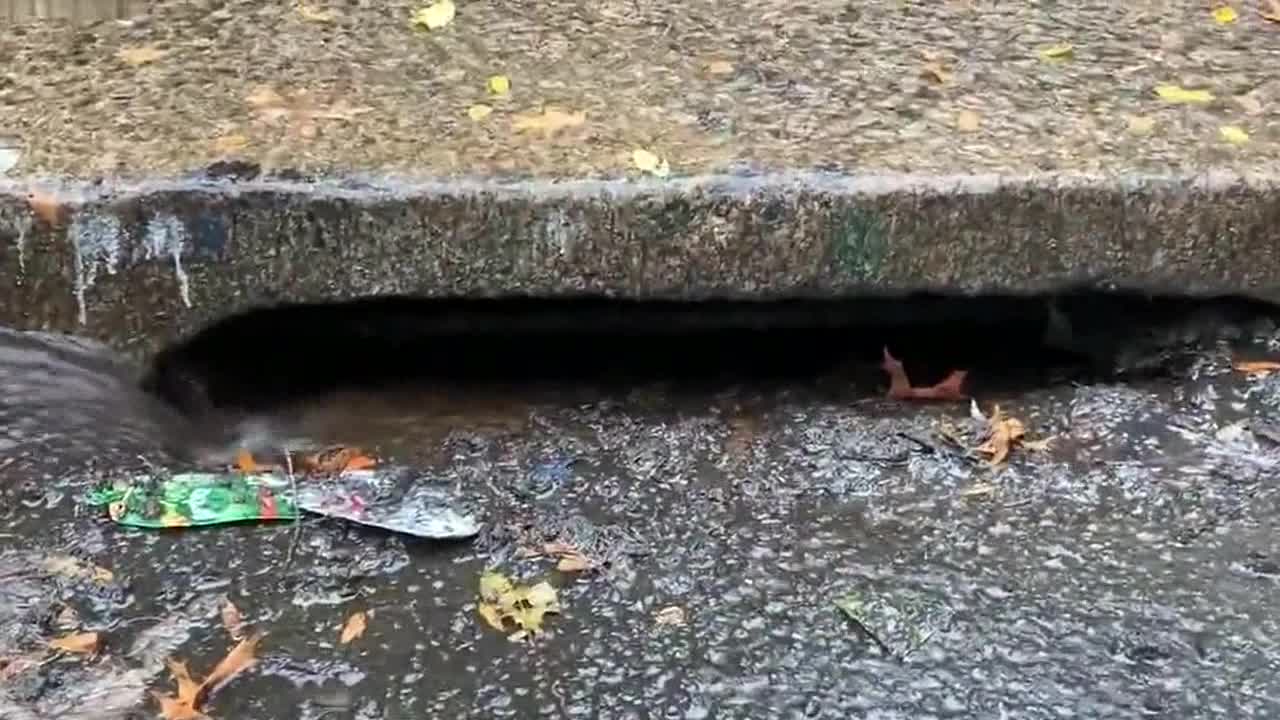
column 1130, row 570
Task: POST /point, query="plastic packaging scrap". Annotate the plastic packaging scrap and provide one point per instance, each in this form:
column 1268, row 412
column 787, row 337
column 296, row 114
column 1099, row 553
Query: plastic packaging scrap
column 395, row 499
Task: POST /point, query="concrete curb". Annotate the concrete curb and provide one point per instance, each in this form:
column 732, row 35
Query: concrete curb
column 138, row 263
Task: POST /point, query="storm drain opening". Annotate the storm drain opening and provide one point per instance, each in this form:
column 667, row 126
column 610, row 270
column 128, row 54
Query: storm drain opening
column 266, row 357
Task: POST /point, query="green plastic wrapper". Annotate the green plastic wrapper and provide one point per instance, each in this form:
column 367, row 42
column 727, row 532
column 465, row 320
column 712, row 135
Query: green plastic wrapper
column 195, row 499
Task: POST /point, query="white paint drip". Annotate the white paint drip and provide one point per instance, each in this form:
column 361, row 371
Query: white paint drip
column 166, row 235
column 97, row 239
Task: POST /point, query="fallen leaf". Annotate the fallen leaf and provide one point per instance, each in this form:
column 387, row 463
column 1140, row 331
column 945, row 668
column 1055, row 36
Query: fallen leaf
column 968, row 121
column 650, row 163
column 230, row 144
column 84, row 643
column 669, row 616
column 499, row 84
column 1182, row 96
column 434, row 16
column 1225, row 15
column 936, row 72
column 524, row 606
column 980, row 489
column 182, row 704
column 67, row 566
column 1270, row 11
column 232, row 620
column 569, row 558
column 354, row 627
column 47, row 207
column 1005, row 433
column 720, row 67
column 479, row 112
column 241, row 658
column 1256, row 367
column 1234, row 134
column 338, row 460
column 246, row 464
column 549, row 122
column 312, row 13
column 142, row 55
column 1141, row 124
column 950, row 388
column 1057, row 53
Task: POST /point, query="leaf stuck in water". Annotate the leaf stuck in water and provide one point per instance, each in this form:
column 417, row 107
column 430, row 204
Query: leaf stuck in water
column 434, row 16
column 232, row 620
column 81, row 643
column 188, row 701
column 1181, row 96
column 136, row 56
column 548, row 122
column 498, row 84
column 650, row 163
column 1225, row 15
column 354, row 627
column 1256, row 367
column 525, row 606
column 1234, row 134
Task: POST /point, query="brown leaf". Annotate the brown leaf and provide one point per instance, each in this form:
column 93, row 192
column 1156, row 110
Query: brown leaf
column 47, row 207
column 232, row 620
column 1005, row 433
column 1270, row 11
column 968, row 121
column 354, row 627
column 338, row 460
column 1256, row 367
column 239, row 659
column 142, row 55
column 936, row 72
column 84, row 643
column 950, row 388
column 67, row 566
column 569, row 558
column 549, row 122
column 182, row 705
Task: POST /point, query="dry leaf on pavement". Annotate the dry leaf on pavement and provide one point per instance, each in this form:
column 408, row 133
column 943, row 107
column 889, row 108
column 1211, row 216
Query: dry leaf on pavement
column 548, row 122
column 190, row 698
column 83, row 643
column 1005, row 433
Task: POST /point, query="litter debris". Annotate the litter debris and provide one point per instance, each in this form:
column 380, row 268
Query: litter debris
column 196, row 499
column 395, row 499
column 525, row 606
column 950, row 388
column 899, row 625
column 400, row 501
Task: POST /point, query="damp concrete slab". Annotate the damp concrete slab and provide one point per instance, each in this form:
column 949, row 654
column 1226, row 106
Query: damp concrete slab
column 185, row 159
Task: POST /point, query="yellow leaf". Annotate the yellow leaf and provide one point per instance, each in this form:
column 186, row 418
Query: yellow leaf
column 492, row 615
column 720, row 67
column 499, row 84
column 479, row 112
column 548, row 122
column 968, row 121
column 315, row 14
column 1225, row 15
column 354, row 628
column 493, row 586
column 434, row 16
column 1176, row 94
column 1234, row 134
column 650, row 163
column 501, row 600
column 1057, row 53
column 1141, row 125
column 85, row 643
column 136, row 56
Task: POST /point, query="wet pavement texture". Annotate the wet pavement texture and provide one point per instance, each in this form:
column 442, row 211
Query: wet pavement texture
column 1129, row 569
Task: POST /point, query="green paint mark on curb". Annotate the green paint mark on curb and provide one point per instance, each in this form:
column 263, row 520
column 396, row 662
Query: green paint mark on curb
column 859, row 245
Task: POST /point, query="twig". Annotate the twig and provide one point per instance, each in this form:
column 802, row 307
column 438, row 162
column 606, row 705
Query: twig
column 297, row 520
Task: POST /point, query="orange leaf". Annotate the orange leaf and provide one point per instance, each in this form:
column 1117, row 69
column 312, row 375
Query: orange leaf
column 950, row 388
column 245, row 462
column 1256, row 367
column 46, row 206
column 1005, row 433
column 181, row 706
column 338, row 460
column 239, row 659
column 355, row 627
column 85, row 643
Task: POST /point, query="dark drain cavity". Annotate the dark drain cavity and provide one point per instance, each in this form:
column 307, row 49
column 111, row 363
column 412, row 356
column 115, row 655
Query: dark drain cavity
column 263, row 357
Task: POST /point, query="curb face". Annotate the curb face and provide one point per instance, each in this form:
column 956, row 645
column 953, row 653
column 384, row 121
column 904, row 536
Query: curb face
column 139, row 264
